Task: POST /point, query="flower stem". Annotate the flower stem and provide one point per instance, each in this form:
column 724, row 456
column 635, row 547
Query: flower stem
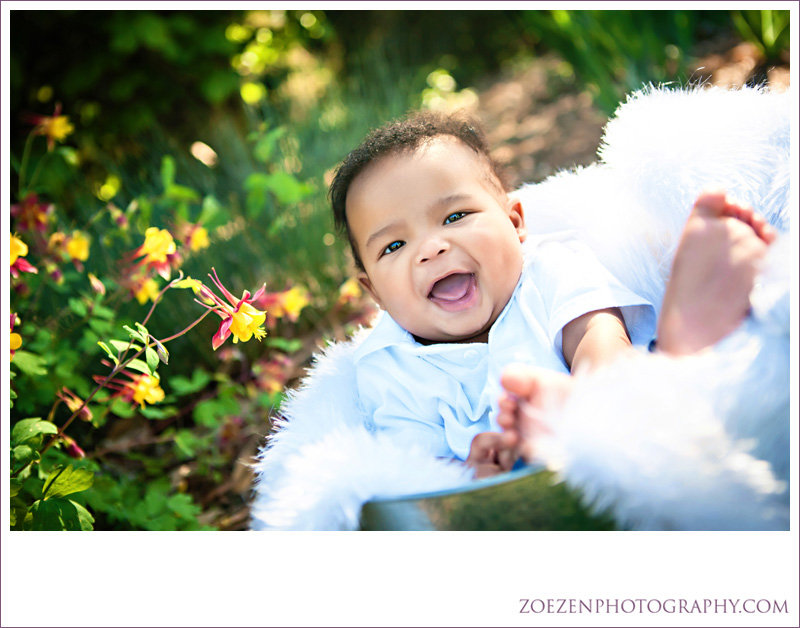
column 38, row 168
column 180, row 333
column 26, row 154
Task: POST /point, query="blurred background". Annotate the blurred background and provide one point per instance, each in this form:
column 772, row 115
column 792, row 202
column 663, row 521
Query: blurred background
column 224, row 128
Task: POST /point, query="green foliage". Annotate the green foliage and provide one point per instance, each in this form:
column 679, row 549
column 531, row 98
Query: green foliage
column 144, row 506
column 615, row 52
column 767, row 29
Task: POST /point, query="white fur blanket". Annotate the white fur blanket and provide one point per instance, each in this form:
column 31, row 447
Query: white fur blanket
column 695, row 443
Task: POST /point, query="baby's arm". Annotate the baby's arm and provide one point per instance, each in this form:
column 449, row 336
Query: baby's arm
column 587, row 342
column 594, row 338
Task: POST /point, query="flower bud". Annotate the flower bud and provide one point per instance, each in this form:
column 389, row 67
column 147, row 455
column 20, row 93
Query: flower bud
column 74, row 402
column 161, row 351
column 97, row 285
column 72, row 449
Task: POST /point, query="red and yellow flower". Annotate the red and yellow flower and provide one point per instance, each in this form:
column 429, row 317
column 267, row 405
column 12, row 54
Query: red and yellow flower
column 193, row 236
column 18, row 262
column 288, row 303
column 158, row 252
column 239, row 317
column 31, row 214
column 56, row 127
column 350, row 291
column 139, row 389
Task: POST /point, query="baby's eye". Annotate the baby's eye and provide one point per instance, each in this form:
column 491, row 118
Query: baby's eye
column 393, row 247
column 454, row 216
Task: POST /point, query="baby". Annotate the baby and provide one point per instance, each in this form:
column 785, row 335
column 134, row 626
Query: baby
column 443, row 249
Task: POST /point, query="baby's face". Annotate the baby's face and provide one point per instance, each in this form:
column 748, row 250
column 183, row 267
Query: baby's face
column 439, row 242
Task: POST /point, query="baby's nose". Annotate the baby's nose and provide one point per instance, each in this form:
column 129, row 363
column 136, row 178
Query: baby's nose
column 433, row 247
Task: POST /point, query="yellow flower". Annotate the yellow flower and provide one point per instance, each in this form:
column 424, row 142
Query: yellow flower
column 16, row 339
column 158, row 243
column 158, row 251
column 18, row 262
column 55, row 127
column 18, row 248
column 145, row 389
column 293, row 302
column 147, row 290
column 56, row 242
column 349, row 291
column 78, row 246
column 199, row 239
column 239, row 318
column 247, row 322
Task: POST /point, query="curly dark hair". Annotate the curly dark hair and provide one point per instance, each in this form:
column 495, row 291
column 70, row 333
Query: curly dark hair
column 406, row 134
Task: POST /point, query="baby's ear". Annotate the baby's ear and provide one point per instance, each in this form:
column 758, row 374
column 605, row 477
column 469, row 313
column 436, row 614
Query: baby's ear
column 517, row 216
column 363, row 279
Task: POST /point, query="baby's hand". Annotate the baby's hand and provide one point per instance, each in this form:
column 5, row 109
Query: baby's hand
column 493, row 452
column 529, row 393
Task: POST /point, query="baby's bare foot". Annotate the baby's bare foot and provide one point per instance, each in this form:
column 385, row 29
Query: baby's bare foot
column 530, row 392
column 713, row 272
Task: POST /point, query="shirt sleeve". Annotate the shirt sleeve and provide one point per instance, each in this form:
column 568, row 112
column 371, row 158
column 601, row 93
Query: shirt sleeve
column 573, row 282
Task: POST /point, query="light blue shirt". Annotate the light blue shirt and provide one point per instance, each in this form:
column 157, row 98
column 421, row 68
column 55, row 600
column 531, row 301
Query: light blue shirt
column 441, row 396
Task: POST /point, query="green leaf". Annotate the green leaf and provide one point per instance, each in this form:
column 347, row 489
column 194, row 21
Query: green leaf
column 84, row 517
column 158, row 413
column 78, row 306
column 185, row 441
column 266, row 144
column 181, row 193
column 284, row 344
column 135, row 334
column 65, row 481
column 27, row 429
column 152, row 360
column 181, row 385
column 103, row 312
column 30, row 363
column 183, row 506
column 212, row 412
column 23, row 454
column 286, row 188
column 167, row 171
column 100, row 326
column 256, row 185
column 211, row 208
column 69, row 154
column 187, row 283
column 122, row 409
column 59, row 514
column 141, row 367
column 143, row 331
column 124, row 345
column 110, row 353
column 218, row 85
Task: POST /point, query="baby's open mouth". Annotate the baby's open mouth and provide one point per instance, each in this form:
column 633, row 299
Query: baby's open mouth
column 453, row 289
